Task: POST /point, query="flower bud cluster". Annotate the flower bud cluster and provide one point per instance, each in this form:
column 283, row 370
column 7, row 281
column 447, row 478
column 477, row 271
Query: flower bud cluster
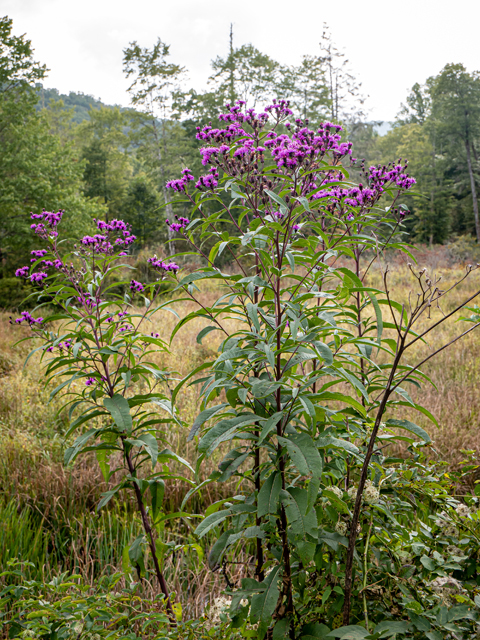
column 208, row 181
column 101, row 243
column 371, row 493
column 25, row 316
column 179, row 225
column 136, row 286
column 50, row 220
column 159, row 265
column 181, row 183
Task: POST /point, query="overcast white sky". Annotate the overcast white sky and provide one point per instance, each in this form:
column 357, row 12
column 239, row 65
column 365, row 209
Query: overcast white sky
column 391, row 44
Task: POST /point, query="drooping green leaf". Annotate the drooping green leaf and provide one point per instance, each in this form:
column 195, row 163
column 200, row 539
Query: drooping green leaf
column 203, row 417
column 409, row 426
column 263, row 604
column 268, row 496
column 211, row 521
column 119, row 409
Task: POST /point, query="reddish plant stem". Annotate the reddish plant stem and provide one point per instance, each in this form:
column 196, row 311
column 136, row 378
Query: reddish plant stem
column 151, row 542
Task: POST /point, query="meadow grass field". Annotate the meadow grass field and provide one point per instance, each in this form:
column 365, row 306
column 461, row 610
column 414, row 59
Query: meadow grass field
column 47, row 511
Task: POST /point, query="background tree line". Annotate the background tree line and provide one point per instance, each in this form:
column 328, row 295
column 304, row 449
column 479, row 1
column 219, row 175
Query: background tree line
column 95, row 160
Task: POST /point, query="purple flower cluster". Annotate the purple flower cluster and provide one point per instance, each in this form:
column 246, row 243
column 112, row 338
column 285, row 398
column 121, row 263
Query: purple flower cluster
column 25, row 316
column 381, row 175
column 208, row 153
column 86, row 302
column 220, row 136
column 159, row 265
column 38, row 277
column 281, row 109
column 101, row 243
column 305, row 145
column 180, row 184
column 379, row 178
column 179, row 225
column 136, row 286
column 50, row 220
column 23, row 272
column 38, row 254
column 208, row 181
column 89, row 381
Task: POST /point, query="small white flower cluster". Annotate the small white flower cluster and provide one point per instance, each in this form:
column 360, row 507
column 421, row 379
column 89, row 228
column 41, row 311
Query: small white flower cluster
column 336, row 490
column 462, row 510
column 341, row 527
column 218, row 606
column 371, row 494
column 445, row 523
column 352, row 492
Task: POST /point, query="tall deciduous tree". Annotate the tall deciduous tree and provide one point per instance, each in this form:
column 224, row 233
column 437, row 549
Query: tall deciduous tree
column 37, row 167
column 345, row 98
column 154, row 82
column 456, row 106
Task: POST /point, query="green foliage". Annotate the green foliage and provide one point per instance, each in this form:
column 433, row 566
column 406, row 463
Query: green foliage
column 72, row 609
column 309, row 378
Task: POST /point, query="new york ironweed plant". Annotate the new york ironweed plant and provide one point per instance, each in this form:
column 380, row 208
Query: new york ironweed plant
column 302, row 388
column 304, row 394
column 99, row 353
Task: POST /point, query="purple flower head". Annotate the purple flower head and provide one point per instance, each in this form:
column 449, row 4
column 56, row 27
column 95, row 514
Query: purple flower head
column 22, row 272
column 179, row 225
column 86, row 302
column 155, row 335
column 295, row 227
column 49, row 349
column 180, row 184
column 122, row 314
column 280, row 109
column 25, row 316
column 160, row 265
column 350, row 217
column 38, row 254
column 127, row 327
column 89, row 381
column 209, row 181
column 136, row 286
column 39, row 277
column 50, row 220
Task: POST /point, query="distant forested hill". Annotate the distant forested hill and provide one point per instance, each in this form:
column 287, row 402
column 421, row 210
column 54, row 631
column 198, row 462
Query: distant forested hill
column 79, row 101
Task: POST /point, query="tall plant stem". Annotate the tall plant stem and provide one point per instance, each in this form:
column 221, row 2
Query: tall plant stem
column 363, row 479
column 365, row 574
column 256, row 465
column 151, row 542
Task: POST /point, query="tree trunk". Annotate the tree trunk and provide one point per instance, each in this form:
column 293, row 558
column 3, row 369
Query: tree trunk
column 474, row 190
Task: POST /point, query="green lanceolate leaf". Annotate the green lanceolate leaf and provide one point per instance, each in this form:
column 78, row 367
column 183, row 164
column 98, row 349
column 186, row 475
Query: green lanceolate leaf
column 409, row 426
column 304, row 453
column 263, row 604
column 212, row 521
column 231, row 463
column 302, row 521
column 151, row 446
column 225, row 430
column 203, row 417
column 269, row 494
column 157, row 491
column 119, row 409
column 330, row 441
